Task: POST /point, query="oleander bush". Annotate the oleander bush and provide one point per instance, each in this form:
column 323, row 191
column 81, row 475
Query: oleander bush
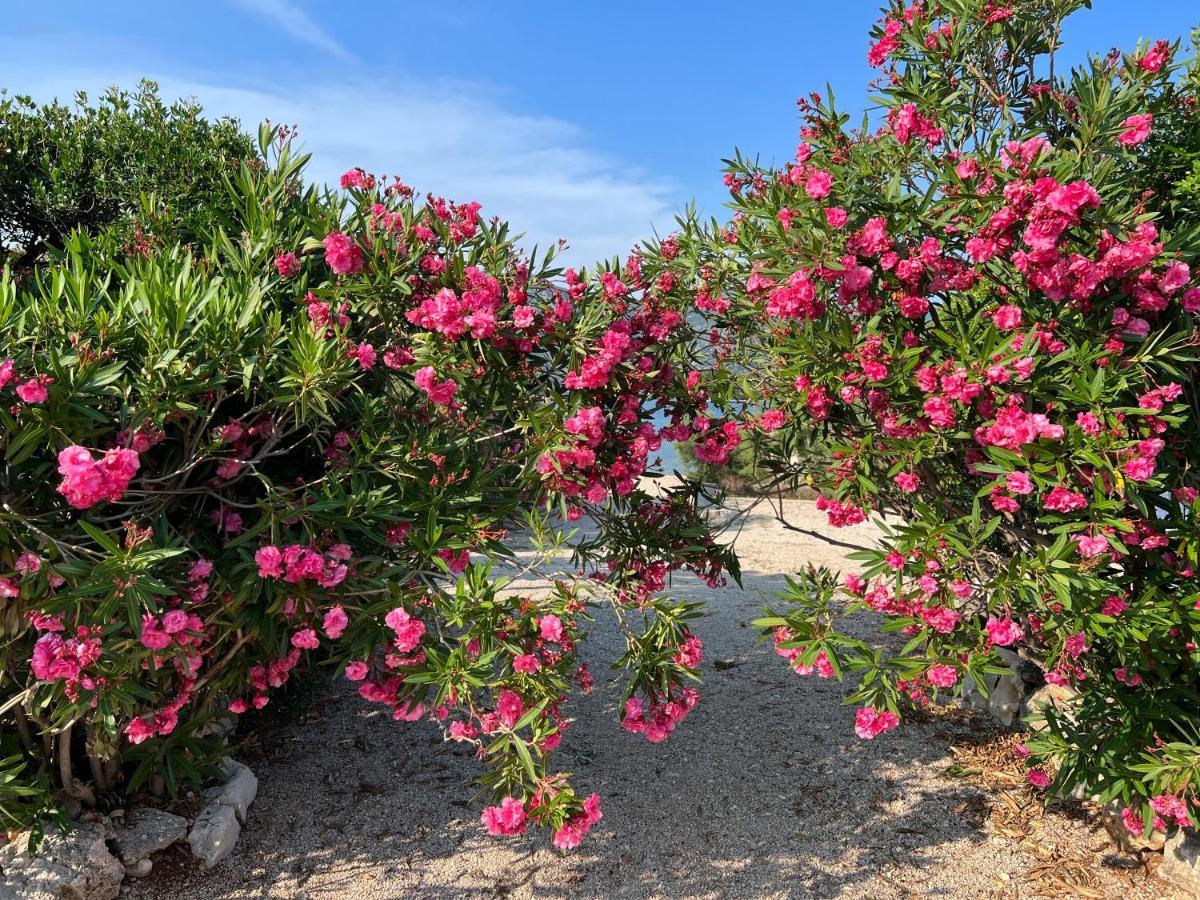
column 981, row 301
column 334, row 428
column 306, row 439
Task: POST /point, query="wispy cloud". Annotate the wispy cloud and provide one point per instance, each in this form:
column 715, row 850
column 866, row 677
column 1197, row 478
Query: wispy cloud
column 295, row 23
column 453, row 139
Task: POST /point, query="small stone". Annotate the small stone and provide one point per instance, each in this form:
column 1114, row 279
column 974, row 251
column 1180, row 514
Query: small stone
column 241, row 788
column 75, row 865
column 214, row 833
column 148, row 831
column 1006, row 700
column 139, row 869
column 1060, row 697
column 1181, row 861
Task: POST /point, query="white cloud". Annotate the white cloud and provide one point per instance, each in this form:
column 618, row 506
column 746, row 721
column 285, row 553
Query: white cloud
column 295, row 23
column 450, row 138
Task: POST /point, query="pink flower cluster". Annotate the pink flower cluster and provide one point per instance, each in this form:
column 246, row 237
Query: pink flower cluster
column 657, row 720
column 342, row 254
column 441, row 392
column 820, row 664
column 174, row 626
column 162, row 721
column 507, row 818
column 55, row 658
column 870, row 722
column 296, row 563
column 841, row 515
column 88, row 481
column 475, row 312
column 571, row 834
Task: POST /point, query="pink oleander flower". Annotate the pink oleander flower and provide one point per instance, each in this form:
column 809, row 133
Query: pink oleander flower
column 772, row 420
column 335, row 622
column 1076, row 645
column 1089, row 423
column 571, row 834
column 1003, row 632
column 356, row 670
column 1007, row 318
column 407, row 629
column 551, row 628
column 440, row 392
column 509, row 707
column 1156, row 57
column 342, row 255
column 456, row 560
column 942, row 676
column 907, row 482
column 139, row 730
column 28, row 564
column 1061, row 499
column 174, row 621
column 33, row 391
column 527, row 663
column 1038, row 778
column 1137, row 129
column 1139, row 468
column 364, row 353
column 1132, row 821
column 1091, row 546
column 1018, row 483
column 507, row 818
column 88, row 481
column 306, row 639
column 1172, row 810
column 869, row 722
column 153, row 636
column 270, row 562
column 835, row 216
column 1114, row 606
column 819, row 184
column 287, row 265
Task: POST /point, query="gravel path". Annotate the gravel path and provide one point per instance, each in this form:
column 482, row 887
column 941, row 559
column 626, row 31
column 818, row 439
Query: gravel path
column 763, row 792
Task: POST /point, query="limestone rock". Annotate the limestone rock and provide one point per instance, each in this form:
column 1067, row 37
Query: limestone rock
column 75, row 865
column 149, row 831
column 1007, row 700
column 1058, row 696
column 1181, row 861
column 240, row 790
column 214, row 833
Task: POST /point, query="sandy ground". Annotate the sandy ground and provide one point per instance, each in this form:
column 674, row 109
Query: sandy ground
column 764, row 792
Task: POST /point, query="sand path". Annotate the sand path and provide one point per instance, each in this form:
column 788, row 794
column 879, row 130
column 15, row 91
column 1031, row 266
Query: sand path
column 763, row 792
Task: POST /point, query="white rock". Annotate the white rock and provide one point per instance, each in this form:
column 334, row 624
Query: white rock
column 1061, row 697
column 140, row 869
column 214, row 833
column 148, row 831
column 75, row 865
column 1007, row 699
column 240, row 790
column 1181, row 861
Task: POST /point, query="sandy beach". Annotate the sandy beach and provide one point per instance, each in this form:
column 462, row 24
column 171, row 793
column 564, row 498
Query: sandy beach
column 764, row 792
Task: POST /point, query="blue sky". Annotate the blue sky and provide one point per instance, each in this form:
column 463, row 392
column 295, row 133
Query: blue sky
column 589, row 121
